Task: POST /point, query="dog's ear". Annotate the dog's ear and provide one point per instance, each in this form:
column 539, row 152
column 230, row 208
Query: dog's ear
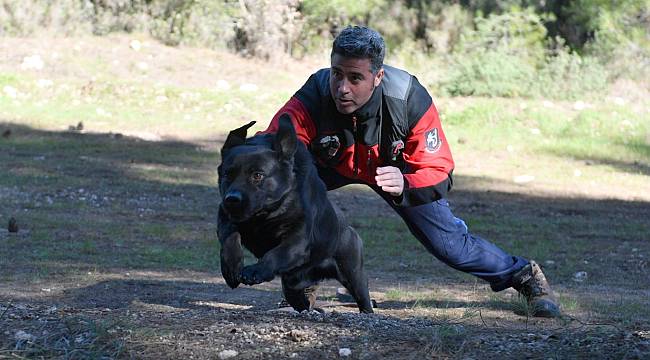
column 236, row 137
column 285, row 140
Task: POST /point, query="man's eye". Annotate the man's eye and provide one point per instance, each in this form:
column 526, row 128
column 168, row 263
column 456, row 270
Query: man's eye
column 257, row 176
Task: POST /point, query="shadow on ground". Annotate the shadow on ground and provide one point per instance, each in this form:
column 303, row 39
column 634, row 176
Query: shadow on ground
column 106, row 203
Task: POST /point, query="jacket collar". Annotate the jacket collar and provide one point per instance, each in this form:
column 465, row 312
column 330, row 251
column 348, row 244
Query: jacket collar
column 370, row 110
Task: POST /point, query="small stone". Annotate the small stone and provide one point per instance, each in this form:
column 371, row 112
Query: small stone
column 23, row 336
column 579, row 105
column 227, row 354
column 143, row 66
column 135, row 45
column 523, row 179
column 580, row 276
column 345, row 352
column 222, row 85
column 298, row 335
column 34, row 62
column 10, row 91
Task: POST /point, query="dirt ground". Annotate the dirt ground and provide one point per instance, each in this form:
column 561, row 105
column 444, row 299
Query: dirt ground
column 64, row 296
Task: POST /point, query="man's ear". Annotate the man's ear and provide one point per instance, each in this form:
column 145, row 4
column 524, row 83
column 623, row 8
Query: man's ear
column 236, row 137
column 285, row 139
column 379, row 76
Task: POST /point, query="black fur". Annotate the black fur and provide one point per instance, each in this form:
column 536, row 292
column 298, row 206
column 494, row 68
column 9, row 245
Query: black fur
column 275, row 205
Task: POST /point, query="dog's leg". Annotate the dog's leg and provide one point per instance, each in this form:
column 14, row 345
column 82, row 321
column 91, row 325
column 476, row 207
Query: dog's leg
column 296, row 297
column 350, row 273
column 290, row 254
column 232, row 259
column 231, row 253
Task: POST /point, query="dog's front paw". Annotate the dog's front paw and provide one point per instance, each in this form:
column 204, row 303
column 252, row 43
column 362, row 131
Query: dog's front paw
column 231, row 274
column 255, row 274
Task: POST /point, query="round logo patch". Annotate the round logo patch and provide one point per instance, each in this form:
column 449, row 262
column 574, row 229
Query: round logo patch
column 432, row 141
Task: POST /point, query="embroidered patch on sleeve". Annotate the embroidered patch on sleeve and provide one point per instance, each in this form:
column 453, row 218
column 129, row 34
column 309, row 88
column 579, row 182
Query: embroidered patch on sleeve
column 432, row 141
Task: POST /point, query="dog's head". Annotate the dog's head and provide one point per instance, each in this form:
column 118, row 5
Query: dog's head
column 256, row 174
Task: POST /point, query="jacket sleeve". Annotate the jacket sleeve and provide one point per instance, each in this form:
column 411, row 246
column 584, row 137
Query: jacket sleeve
column 428, row 161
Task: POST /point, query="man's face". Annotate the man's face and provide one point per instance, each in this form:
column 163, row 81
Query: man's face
column 352, row 82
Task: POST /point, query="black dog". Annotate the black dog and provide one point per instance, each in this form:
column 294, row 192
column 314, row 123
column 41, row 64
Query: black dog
column 276, row 206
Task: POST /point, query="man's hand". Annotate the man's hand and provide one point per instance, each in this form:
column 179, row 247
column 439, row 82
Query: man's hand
column 390, row 179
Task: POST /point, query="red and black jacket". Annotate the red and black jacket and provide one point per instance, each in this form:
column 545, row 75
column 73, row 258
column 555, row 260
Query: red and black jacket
column 399, row 126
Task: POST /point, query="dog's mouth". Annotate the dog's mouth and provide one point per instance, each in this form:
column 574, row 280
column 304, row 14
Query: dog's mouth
column 235, row 214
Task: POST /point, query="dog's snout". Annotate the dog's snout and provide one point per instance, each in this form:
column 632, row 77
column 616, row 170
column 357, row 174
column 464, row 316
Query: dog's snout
column 233, row 198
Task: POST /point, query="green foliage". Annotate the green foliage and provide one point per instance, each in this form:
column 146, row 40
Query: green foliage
column 489, row 73
column 519, row 32
column 508, row 55
column 529, row 48
column 567, row 75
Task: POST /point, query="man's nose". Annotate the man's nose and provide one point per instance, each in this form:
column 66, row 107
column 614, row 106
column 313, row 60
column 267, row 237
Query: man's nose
column 343, row 87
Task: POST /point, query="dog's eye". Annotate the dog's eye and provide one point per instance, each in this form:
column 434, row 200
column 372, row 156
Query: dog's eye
column 257, row 176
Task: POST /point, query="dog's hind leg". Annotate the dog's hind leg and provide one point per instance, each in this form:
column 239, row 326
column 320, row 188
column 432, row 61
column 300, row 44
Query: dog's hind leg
column 350, row 273
column 298, row 298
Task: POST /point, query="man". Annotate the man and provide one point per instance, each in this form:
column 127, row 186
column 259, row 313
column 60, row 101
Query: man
column 366, row 122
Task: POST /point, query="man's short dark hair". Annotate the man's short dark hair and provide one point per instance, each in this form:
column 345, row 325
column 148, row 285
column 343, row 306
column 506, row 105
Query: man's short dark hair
column 362, row 43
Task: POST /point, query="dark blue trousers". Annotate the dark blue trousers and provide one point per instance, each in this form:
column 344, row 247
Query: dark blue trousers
column 447, row 237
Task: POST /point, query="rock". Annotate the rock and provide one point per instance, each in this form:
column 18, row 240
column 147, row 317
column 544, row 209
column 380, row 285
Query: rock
column 44, row 83
column 135, row 45
column 523, row 179
column 549, row 262
column 227, row 354
column 580, row 276
column 34, row 62
column 10, row 91
column 222, row 85
column 298, row 335
column 345, row 352
column 579, row 105
column 23, row 336
column 142, row 66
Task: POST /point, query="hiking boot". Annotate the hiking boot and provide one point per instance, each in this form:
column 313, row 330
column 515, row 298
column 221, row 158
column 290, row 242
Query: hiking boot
column 531, row 283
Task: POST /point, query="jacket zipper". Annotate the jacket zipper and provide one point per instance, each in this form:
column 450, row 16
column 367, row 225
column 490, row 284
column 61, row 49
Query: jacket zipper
column 356, row 156
column 369, row 163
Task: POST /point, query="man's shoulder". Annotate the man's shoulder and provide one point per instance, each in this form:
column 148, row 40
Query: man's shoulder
column 396, row 82
column 318, row 82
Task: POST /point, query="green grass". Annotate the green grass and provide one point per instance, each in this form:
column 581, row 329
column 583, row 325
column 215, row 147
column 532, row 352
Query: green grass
column 606, row 132
column 113, row 105
column 92, row 202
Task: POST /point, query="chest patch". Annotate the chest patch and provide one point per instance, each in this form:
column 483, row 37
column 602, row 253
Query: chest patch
column 432, row 141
